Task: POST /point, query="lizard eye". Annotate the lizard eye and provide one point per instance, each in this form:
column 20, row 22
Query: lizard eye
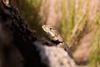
column 50, row 28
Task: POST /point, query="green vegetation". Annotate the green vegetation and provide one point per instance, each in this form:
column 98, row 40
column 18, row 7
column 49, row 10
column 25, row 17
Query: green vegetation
column 73, row 24
column 29, row 9
column 73, row 28
column 94, row 58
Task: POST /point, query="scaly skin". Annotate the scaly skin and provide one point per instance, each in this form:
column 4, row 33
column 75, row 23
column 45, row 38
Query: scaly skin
column 56, row 38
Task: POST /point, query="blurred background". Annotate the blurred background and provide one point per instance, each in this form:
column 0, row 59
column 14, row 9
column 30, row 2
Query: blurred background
column 77, row 21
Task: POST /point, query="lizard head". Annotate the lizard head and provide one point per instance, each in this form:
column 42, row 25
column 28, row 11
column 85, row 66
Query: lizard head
column 50, row 31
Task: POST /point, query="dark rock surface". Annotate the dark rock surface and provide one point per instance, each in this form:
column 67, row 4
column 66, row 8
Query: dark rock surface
column 16, row 48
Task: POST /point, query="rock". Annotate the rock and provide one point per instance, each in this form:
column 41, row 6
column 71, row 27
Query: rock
column 54, row 56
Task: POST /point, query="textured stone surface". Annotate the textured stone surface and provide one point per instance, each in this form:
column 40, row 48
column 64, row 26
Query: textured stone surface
column 54, row 56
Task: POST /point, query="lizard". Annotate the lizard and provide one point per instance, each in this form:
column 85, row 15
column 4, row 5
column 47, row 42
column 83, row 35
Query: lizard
column 56, row 38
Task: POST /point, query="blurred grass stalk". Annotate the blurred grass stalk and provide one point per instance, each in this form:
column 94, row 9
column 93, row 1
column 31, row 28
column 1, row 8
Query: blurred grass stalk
column 94, row 58
column 72, row 26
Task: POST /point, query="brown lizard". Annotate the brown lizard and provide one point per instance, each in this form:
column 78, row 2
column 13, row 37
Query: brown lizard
column 56, row 38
